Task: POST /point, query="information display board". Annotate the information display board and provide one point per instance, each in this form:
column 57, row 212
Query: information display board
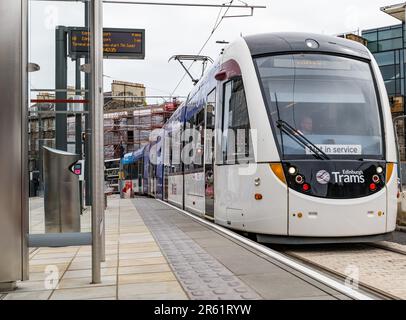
column 117, row 43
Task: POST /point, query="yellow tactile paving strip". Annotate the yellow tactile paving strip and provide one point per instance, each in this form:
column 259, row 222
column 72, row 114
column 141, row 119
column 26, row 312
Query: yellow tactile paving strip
column 134, row 268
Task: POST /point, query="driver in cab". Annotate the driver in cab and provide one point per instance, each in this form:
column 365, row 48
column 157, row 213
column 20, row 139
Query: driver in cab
column 306, row 125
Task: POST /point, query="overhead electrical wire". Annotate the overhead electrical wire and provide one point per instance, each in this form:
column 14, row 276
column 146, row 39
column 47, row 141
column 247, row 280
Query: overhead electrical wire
column 216, row 25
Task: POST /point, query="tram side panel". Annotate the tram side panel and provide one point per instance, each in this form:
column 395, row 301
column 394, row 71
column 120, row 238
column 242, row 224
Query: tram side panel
column 236, row 205
column 195, row 192
column 251, row 199
column 175, row 189
column 392, row 191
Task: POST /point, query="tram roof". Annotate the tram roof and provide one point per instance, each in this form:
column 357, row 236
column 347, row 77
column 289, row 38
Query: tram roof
column 271, row 43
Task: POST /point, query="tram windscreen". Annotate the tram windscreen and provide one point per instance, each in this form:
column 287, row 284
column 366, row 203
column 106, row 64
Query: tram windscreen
column 330, row 100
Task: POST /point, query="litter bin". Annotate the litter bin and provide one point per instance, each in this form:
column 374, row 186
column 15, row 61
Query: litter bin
column 61, row 192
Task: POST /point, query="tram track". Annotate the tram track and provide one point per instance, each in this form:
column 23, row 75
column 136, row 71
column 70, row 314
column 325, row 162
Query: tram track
column 387, row 248
column 390, row 261
column 363, row 287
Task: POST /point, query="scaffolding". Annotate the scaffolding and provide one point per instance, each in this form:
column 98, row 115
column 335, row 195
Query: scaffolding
column 131, row 128
column 128, row 122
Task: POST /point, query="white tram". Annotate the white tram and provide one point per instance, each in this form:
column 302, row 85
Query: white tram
column 296, row 143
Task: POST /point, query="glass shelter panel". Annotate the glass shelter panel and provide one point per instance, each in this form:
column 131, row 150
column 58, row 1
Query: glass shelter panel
column 58, row 119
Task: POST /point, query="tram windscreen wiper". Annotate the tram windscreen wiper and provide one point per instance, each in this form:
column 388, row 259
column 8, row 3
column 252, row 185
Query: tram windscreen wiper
column 301, row 140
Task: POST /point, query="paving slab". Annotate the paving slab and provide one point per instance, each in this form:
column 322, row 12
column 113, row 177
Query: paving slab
column 154, row 252
column 135, row 267
column 211, row 266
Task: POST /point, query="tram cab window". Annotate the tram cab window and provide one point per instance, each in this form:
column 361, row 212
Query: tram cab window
column 236, row 145
column 331, row 100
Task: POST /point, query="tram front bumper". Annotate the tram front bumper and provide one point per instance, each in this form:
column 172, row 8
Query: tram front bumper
column 319, row 217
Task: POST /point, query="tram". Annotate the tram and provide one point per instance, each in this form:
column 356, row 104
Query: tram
column 288, row 137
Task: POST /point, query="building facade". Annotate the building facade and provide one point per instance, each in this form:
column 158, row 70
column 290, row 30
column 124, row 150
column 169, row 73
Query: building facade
column 388, row 45
column 125, row 95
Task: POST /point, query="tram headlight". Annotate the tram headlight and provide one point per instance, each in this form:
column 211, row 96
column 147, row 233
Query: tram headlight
column 375, row 178
column 292, row 171
column 379, row 170
column 299, row 179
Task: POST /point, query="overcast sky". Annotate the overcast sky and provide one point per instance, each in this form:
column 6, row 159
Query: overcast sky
column 183, row 30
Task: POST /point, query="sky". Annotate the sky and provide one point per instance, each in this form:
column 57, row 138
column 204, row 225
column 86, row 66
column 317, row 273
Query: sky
column 183, row 30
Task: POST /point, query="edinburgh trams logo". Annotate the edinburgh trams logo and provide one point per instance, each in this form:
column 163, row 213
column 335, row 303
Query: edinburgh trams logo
column 345, row 176
column 323, row 177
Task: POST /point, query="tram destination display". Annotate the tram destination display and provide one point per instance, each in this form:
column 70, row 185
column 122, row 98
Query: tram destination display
column 117, row 43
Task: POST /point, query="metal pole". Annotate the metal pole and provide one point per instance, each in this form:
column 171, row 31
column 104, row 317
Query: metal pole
column 40, row 158
column 78, row 128
column 177, row 4
column 96, row 57
column 88, row 129
column 61, row 82
column 25, row 223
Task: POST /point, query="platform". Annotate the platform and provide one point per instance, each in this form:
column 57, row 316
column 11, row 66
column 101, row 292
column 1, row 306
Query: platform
column 154, row 251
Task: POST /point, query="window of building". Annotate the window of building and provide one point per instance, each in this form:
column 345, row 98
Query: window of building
column 130, row 135
column 390, row 33
column 394, row 87
column 373, row 46
column 388, row 72
column 390, row 44
column 397, row 57
column 370, row 36
column 385, row 58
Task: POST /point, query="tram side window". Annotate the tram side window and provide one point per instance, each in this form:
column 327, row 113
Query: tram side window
column 196, row 142
column 199, row 127
column 236, row 142
column 175, row 149
column 188, row 164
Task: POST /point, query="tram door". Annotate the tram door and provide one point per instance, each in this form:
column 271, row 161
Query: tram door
column 209, row 154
